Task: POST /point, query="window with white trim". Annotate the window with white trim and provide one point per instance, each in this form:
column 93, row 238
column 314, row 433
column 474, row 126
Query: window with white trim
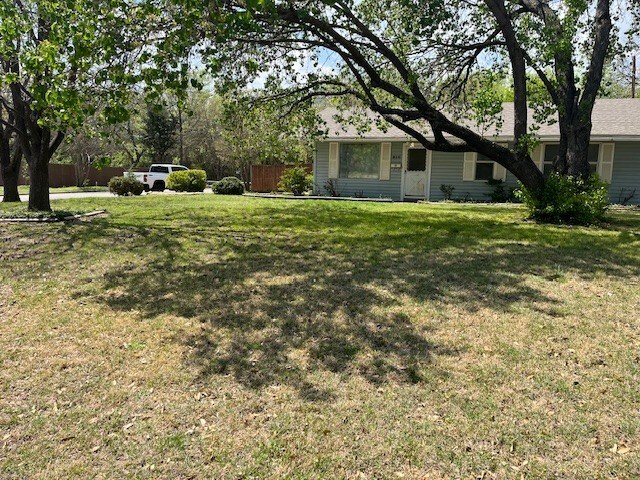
column 360, row 160
column 551, row 151
column 484, row 168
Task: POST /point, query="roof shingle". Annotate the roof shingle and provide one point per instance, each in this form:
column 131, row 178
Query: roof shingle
column 613, row 118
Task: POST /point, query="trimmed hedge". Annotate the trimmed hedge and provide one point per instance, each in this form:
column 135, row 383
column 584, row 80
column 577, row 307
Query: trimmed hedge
column 229, row 186
column 126, row 185
column 567, row 199
column 187, row 181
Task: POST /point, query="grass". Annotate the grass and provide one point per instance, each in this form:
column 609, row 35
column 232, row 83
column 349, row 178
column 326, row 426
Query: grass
column 226, row 337
column 24, row 189
column 20, row 210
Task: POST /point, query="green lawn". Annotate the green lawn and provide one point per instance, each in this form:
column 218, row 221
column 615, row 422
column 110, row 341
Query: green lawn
column 24, row 189
column 229, row 337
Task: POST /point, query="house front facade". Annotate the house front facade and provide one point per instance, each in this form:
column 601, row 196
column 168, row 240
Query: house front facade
column 389, row 164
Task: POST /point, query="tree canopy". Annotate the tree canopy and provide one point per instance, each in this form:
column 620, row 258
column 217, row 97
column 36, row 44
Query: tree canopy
column 436, row 70
column 415, row 63
column 63, row 61
column 223, row 135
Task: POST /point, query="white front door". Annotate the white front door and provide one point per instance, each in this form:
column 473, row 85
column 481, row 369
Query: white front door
column 416, row 173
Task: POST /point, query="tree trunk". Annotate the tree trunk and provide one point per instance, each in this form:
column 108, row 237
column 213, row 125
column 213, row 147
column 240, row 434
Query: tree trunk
column 39, row 187
column 10, row 162
column 181, row 133
column 578, row 153
column 527, row 173
column 573, row 154
column 82, row 167
column 10, row 177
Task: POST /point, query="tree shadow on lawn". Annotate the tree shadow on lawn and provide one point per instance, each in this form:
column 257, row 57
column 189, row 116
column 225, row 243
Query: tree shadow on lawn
column 276, row 311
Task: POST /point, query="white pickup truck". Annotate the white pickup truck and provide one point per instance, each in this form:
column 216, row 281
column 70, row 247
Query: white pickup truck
column 156, row 177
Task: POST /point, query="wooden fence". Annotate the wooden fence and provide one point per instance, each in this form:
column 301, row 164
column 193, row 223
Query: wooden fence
column 265, row 178
column 64, row 175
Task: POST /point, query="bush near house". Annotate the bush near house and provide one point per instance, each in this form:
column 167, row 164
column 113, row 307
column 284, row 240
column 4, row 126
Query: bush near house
column 296, row 180
column 500, row 193
column 187, row 181
column 566, row 199
column 126, row 185
column 447, row 191
column 331, row 187
column 229, row 186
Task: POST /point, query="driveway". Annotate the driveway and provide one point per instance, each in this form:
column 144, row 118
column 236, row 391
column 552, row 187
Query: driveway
column 63, row 196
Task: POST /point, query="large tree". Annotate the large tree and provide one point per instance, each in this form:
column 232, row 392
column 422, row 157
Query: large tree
column 411, row 62
column 64, row 61
column 160, row 130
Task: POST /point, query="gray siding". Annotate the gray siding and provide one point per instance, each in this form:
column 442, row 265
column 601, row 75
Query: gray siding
column 446, row 169
column 349, row 187
column 626, row 172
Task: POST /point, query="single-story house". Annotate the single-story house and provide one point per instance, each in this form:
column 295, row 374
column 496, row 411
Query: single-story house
column 388, row 163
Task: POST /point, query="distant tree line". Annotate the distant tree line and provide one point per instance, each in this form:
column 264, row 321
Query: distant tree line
column 223, row 137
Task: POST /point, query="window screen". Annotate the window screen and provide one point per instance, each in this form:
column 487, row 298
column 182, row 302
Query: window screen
column 417, row 161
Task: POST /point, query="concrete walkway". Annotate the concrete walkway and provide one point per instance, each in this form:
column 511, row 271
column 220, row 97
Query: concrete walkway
column 63, row 196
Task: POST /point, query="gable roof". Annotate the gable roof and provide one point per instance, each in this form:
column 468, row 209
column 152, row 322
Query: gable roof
column 612, row 118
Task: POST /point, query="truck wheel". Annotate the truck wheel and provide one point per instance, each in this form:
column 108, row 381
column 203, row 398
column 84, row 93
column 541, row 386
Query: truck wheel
column 158, row 185
column 146, row 187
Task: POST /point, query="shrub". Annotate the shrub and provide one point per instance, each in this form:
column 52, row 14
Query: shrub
column 331, row 187
column 126, row 185
column 566, row 199
column 296, row 180
column 187, row 181
column 500, row 193
column 624, row 199
column 447, row 191
column 229, row 186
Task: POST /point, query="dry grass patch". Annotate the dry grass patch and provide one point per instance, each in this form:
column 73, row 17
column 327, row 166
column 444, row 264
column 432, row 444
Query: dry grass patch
column 208, row 337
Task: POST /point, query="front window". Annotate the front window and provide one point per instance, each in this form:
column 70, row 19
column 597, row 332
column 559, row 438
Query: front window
column 552, row 151
column 360, row 160
column 484, row 168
